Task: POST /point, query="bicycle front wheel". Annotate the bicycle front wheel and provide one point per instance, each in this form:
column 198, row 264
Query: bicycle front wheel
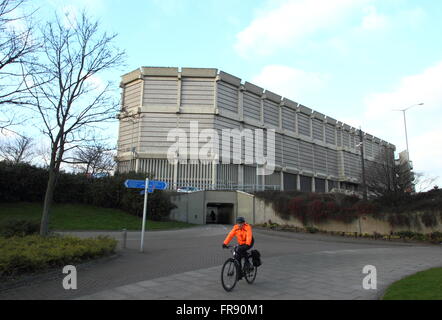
column 229, row 274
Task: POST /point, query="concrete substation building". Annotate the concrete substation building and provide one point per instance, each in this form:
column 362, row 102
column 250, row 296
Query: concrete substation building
column 313, row 152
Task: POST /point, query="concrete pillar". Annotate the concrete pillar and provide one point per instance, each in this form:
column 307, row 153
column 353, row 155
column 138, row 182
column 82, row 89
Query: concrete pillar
column 262, row 111
column 240, row 176
column 313, row 184
column 282, row 180
column 175, row 176
column 326, row 185
column 298, row 182
column 178, row 98
column 214, row 181
column 241, row 103
column 324, row 124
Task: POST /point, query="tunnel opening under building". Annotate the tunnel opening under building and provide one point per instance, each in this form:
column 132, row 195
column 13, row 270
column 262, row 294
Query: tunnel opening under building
column 219, row 213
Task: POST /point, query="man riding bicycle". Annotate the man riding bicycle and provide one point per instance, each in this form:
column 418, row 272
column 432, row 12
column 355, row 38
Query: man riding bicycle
column 244, row 235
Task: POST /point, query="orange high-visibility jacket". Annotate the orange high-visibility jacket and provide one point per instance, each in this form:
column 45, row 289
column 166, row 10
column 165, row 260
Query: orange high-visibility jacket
column 243, row 235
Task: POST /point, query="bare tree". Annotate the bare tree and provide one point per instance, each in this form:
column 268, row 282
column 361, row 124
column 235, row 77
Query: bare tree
column 43, row 155
column 386, row 176
column 423, row 182
column 67, row 99
column 94, row 159
column 17, row 45
column 17, row 150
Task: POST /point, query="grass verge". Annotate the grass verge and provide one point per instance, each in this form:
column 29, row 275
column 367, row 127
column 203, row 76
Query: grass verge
column 424, row 285
column 83, row 217
column 29, row 254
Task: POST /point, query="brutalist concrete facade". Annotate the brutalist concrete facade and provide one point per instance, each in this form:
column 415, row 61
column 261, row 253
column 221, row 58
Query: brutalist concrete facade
column 314, row 152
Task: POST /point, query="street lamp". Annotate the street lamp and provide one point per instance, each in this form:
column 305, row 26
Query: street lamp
column 405, row 124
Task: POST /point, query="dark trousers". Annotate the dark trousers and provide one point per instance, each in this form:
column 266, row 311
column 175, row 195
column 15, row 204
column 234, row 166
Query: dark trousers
column 242, row 252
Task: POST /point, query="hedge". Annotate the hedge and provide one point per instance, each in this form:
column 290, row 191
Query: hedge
column 29, row 185
column 321, row 207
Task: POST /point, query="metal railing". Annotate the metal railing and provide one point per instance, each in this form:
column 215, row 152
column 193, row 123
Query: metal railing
column 230, row 187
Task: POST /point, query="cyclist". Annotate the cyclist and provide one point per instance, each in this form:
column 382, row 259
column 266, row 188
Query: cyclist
column 244, row 235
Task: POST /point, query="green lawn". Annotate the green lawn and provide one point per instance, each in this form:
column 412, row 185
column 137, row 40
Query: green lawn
column 425, row 285
column 83, row 217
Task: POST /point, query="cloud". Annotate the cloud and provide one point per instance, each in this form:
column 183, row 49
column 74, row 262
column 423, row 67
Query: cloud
column 373, row 20
column 423, row 122
column 412, row 17
column 290, row 82
column 70, row 14
column 169, row 7
column 73, row 7
column 96, row 83
column 291, row 22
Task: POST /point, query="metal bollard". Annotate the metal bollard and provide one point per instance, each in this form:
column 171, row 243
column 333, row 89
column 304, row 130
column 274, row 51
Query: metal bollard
column 123, row 245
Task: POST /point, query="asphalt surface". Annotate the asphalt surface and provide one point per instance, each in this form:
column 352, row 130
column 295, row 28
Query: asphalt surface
column 186, row 264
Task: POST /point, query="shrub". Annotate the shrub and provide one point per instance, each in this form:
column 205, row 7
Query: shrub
column 331, row 208
column 436, row 237
column 280, row 200
column 405, row 234
column 108, row 192
column 365, row 207
column 429, row 219
column 311, row 229
column 298, row 209
column 316, row 210
column 33, row 253
column 313, row 207
column 18, row 228
column 398, row 219
column 159, row 206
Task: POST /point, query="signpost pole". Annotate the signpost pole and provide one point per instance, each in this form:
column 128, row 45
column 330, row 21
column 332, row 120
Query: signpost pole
column 146, row 186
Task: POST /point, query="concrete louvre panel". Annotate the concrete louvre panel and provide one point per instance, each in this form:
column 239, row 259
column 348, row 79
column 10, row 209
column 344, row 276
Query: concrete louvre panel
column 160, row 71
column 253, row 88
column 199, row 72
column 305, row 110
column 272, row 96
column 231, row 79
column 289, row 103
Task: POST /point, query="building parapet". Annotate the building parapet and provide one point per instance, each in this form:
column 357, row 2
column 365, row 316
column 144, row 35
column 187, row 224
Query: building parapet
column 253, row 88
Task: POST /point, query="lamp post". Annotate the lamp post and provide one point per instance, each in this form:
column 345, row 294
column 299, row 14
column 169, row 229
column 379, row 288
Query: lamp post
column 405, row 125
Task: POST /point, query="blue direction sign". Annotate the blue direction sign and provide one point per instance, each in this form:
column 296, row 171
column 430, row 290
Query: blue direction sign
column 156, row 184
column 140, row 184
column 134, row 184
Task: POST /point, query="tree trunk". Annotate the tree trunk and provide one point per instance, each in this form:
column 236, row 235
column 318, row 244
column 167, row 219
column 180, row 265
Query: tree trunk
column 44, row 226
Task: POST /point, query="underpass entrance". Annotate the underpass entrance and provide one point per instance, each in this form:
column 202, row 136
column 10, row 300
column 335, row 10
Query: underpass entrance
column 219, row 213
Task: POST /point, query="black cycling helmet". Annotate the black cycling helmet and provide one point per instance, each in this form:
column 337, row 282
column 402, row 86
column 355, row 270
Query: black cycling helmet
column 240, row 220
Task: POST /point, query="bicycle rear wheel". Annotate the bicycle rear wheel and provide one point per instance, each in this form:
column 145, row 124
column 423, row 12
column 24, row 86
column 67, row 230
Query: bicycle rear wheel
column 250, row 272
column 229, row 274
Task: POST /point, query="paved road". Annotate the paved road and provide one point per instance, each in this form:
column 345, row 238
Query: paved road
column 186, row 264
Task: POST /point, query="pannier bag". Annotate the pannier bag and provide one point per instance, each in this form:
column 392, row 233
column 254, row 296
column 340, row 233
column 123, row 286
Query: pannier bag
column 256, row 258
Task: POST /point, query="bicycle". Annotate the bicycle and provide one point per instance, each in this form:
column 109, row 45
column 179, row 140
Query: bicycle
column 230, row 274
